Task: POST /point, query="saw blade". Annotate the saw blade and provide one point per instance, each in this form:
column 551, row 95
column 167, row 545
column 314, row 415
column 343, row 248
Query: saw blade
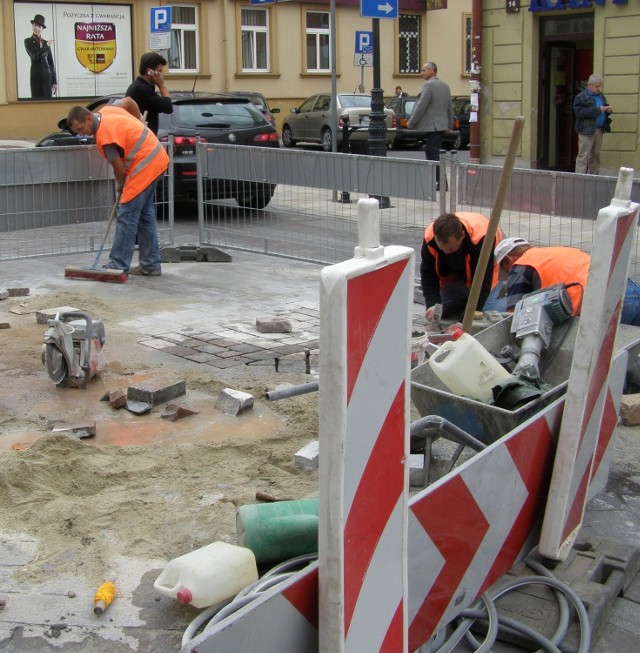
column 56, row 364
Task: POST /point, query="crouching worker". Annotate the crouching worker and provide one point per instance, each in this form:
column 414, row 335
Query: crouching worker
column 449, row 257
column 532, row 268
column 138, row 161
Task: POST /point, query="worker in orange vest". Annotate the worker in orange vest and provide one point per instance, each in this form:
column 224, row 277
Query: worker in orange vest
column 139, row 161
column 449, row 257
column 531, row 268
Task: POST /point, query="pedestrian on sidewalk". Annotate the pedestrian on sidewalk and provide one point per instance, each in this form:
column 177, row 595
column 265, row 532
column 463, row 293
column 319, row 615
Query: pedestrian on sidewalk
column 138, row 161
column 449, row 258
column 432, row 114
column 592, row 113
column 532, row 268
column 143, row 89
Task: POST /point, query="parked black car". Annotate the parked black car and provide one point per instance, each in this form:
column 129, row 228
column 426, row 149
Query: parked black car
column 215, row 118
column 261, row 102
column 402, row 107
column 462, row 109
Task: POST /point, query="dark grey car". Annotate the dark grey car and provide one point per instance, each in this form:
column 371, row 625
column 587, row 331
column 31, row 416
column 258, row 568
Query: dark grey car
column 223, row 118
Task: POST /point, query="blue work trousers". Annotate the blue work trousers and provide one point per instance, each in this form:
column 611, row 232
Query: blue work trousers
column 137, row 218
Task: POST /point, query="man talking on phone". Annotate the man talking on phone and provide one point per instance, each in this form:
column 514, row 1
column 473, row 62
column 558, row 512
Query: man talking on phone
column 143, row 89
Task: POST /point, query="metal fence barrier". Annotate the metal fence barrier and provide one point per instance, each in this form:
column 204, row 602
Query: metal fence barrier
column 56, row 200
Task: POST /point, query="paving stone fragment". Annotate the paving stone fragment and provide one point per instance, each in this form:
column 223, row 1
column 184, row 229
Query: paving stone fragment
column 233, row 402
column 18, row 292
column 308, row 457
column 5, row 325
column 630, row 409
column 118, row 398
column 273, row 326
column 416, row 469
column 157, row 391
column 46, row 314
column 138, row 407
column 175, row 412
column 78, row 430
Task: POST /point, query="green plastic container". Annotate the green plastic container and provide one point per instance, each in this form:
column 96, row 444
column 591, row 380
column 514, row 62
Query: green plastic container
column 280, row 530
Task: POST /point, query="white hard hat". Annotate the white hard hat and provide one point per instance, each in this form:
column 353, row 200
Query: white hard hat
column 506, row 246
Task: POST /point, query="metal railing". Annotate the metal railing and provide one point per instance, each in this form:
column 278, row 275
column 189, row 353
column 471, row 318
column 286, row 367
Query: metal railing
column 56, row 200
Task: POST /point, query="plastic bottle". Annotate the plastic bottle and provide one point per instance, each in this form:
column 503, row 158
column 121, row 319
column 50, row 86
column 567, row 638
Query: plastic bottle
column 467, row 368
column 278, row 531
column 209, row 575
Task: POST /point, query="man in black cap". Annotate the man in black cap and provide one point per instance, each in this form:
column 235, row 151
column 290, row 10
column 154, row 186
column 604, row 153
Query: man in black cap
column 44, row 82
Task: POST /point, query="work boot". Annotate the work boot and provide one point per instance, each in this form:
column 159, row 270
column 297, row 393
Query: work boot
column 136, row 269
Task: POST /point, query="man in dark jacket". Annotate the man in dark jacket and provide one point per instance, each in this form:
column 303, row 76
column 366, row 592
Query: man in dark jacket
column 592, row 112
column 44, row 82
column 143, row 89
column 449, row 258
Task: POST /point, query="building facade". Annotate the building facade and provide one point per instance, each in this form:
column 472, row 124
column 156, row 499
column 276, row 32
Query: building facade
column 535, row 58
column 281, row 50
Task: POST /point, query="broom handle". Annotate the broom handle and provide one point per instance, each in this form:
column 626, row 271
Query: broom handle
column 106, row 231
column 494, row 221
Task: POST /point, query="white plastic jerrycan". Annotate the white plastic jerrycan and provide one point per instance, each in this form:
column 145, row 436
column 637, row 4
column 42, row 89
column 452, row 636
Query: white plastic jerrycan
column 467, row 368
column 206, row 576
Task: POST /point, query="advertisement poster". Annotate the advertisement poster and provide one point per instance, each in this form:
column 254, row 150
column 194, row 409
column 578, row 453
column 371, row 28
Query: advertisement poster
column 72, row 50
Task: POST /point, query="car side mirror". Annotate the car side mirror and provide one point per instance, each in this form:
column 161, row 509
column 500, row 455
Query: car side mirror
column 294, row 110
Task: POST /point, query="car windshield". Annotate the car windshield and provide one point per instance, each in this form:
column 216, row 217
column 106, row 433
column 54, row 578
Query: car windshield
column 215, row 114
column 360, row 101
column 462, row 105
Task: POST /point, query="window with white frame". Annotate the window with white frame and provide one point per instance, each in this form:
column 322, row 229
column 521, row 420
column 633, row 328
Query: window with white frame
column 318, row 51
column 183, row 55
column 409, row 43
column 255, row 40
column 467, row 53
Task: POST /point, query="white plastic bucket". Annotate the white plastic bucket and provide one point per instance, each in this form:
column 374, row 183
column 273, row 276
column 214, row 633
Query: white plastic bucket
column 206, row 576
column 419, row 346
column 467, row 368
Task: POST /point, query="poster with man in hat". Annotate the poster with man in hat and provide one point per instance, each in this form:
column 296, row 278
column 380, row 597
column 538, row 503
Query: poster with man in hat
column 44, row 82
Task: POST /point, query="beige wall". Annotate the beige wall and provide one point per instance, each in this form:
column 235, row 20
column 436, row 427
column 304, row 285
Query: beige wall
column 510, row 56
column 287, row 83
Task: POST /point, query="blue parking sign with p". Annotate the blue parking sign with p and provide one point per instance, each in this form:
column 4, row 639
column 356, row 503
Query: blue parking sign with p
column 364, row 42
column 160, row 19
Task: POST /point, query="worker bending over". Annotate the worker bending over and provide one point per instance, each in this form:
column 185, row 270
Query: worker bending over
column 532, row 268
column 449, row 257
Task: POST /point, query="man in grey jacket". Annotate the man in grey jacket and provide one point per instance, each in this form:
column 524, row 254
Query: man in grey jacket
column 432, row 114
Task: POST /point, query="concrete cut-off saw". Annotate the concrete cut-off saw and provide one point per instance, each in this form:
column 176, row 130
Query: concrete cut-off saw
column 73, row 349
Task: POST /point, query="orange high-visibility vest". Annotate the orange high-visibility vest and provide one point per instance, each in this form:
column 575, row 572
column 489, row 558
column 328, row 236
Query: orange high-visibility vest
column 476, row 226
column 559, row 265
column 144, row 157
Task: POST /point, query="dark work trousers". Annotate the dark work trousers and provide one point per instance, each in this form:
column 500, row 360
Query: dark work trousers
column 432, row 147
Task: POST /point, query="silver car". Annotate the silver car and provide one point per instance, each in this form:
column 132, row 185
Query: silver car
column 311, row 121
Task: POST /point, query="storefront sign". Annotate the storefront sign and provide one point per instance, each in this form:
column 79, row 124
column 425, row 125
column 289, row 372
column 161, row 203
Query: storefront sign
column 550, row 5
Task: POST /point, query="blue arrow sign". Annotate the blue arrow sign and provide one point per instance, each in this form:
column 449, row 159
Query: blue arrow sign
column 379, row 8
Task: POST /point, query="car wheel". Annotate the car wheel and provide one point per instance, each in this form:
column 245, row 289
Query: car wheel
column 325, row 139
column 287, row 137
column 258, row 201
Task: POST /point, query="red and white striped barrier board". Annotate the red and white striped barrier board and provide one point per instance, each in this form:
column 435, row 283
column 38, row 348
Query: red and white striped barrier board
column 587, row 390
column 464, row 532
column 365, row 339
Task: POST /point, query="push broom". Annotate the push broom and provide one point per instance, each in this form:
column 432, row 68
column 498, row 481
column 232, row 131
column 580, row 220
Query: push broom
column 94, row 273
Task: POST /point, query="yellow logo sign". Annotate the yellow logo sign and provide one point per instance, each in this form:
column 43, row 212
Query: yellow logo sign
column 95, row 45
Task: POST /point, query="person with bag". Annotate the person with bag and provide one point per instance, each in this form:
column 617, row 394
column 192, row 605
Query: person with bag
column 593, row 119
